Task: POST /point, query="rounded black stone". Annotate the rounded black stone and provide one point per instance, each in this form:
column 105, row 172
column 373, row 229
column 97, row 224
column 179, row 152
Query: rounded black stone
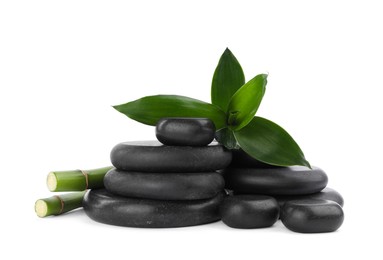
column 164, row 186
column 242, row 160
column 295, row 180
column 249, row 211
column 107, row 208
column 325, row 194
column 152, row 156
column 312, row 216
column 185, row 131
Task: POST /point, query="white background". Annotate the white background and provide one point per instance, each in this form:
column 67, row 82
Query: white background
column 64, row 63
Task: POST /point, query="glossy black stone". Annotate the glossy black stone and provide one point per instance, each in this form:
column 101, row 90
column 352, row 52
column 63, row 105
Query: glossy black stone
column 107, row 208
column 152, row 156
column 325, row 194
column 249, row 211
column 295, row 180
column 164, row 186
column 242, row 160
column 185, row 131
column 312, row 216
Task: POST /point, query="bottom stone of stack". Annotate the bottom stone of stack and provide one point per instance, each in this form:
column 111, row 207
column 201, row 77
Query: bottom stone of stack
column 326, row 194
column 107, row 208
column 249, row 211
column 312, row 216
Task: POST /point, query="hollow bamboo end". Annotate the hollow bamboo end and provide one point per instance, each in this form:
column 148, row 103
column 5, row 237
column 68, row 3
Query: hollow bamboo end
column 41, row 208
column 52, row 181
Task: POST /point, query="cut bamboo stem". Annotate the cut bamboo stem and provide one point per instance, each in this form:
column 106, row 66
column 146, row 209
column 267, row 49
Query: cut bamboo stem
column 77, row 180
column 59, row 204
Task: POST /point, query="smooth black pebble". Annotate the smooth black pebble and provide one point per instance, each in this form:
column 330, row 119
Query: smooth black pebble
column 107, row 208
column 295, row 180
column 249, row 211
column 152, row 156
column 185, row 131
column 164, row 186
column 312, row 216
column 325, row 194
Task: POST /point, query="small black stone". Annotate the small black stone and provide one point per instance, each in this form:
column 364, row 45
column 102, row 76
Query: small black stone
column 164, row 186
column 152, row 156
column 242, row 160
column 107, row 208
column 312, row 216
column 325, row 194
column 249, row 211
column 185, row 131
column 295, row 180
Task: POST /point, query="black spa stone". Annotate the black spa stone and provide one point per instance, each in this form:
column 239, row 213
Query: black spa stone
column 107, row 208
column 185, row 131
column 249, row 211
column 312, row 216
column 295, row 180
column 325, row 194
column 152, row 156
column 164, row 186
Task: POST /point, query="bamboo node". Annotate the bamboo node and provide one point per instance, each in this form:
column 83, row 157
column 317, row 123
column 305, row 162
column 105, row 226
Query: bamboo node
column 62, row 204
column 86, row 178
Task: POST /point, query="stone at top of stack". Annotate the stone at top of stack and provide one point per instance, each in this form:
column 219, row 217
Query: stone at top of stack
column 171, row 184
column 306, row 204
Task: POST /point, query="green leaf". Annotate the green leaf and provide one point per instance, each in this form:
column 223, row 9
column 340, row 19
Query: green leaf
column 148, row 110
column 226, row 137
column 270, row 143
column 245, row 102
column 227, row 79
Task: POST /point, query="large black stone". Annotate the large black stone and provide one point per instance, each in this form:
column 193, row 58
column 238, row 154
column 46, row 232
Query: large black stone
column 295, row 180
column 325, row 194
column 107, row 208
column 164, row 186
column 152, row 156
column 185, row 131
column 242, row 160
column 312, row 216
column 249, row 211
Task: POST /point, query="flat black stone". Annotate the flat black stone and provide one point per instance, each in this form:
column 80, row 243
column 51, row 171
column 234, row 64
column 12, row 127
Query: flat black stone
column 242, row 160
column 325, row 194
column 152, row 156
column 164, row 186
column 312, row 216
column 295, row 180
column 185, row 131
column 107, row 208
column 249, row 211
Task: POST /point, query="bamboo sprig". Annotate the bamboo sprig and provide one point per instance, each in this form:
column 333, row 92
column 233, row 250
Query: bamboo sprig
column 59, row 204
column 77, row 180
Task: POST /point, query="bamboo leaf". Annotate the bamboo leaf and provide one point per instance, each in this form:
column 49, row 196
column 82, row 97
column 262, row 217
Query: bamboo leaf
column 148, row 110
column 270, row 143
column 227, row 79
column 245, row 102
column 226, row 137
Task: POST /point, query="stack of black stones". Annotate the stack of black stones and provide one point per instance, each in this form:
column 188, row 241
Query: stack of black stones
column 262, row 193
column 180, row 181
column 171, row 183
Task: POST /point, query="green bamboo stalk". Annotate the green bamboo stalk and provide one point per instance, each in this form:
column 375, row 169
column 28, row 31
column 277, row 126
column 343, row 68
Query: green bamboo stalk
column 77, row 180
column 60, row 204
